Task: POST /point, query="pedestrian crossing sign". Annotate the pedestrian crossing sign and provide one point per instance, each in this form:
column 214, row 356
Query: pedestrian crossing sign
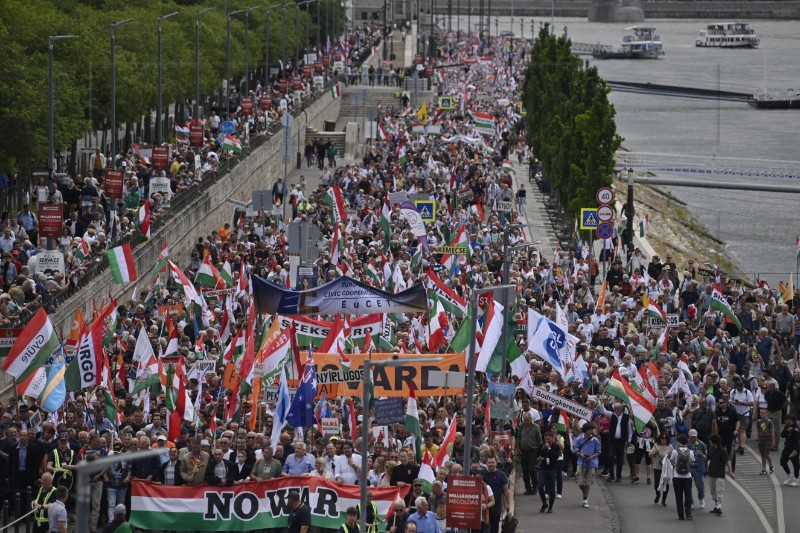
column 589, row 219
column 445, row 102
column 426, row 210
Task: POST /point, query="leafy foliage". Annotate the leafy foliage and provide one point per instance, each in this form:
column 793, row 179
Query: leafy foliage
column 82, row 66
column 570, row 122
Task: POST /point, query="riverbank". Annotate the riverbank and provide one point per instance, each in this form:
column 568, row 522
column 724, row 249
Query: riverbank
column 788, row 10
column 672, row 229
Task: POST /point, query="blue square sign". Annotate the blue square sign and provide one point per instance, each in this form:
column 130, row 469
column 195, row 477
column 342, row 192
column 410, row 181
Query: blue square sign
column 426, row 210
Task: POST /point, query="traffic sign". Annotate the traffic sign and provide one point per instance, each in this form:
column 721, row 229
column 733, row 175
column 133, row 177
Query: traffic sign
column 426, row 210
column 446, row 102
column 227, row 127
column 604, row 195
column 605, row 230
column 589, row 218
column 605, row 213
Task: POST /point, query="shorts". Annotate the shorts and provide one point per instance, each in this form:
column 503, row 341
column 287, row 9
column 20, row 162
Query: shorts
column 764, row 446
column 585, row 476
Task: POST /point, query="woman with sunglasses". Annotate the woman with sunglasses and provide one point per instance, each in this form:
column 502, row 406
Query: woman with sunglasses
column 661, row 449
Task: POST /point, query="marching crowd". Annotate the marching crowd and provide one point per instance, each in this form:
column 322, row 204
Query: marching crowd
column 713, row 381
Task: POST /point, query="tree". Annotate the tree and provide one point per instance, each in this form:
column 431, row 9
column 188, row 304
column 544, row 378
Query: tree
column 570, row 122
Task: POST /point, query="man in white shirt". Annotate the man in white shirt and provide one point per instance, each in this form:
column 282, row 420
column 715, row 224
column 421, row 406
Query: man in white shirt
column 347, row 467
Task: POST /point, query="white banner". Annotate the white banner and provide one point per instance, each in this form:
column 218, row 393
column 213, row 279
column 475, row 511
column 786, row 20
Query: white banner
column 562, row 403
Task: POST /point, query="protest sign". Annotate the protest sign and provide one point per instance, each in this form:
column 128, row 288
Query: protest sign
column 464, row 502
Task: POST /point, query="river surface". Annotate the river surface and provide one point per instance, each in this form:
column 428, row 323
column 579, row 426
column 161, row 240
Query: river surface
column 758, row 228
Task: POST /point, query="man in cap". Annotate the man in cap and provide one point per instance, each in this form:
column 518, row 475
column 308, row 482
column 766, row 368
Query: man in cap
column 61, row 461
column 300, row 517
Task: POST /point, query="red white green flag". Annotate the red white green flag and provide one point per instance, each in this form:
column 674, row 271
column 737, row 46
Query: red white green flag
column 641, row 407
column 334, row 198
column 123, row 267
column 35, row 344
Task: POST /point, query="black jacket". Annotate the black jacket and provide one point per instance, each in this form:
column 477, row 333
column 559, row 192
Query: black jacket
column 230, row 474
column 623, row 430
column 176, row 474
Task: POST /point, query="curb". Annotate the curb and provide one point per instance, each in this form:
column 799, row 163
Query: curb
column 612, row 507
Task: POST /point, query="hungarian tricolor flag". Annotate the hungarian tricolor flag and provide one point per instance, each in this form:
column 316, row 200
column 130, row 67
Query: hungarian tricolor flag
column 334, row 198
column 719, row 303
column 652, row 309
column 123, row 267
column 641, row 407
column 181, row 134
column 437, row 324
column 33, row 347
column 229, row 142
column 207, row 274
column 144, row 219
column 179, row 405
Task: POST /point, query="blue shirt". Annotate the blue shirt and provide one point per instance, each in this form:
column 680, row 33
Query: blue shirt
column 425, row 524
column 591, row 447
column 23, row 457
column 297, row 467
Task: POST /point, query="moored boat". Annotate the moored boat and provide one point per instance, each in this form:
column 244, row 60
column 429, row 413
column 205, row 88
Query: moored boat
column 641, row 43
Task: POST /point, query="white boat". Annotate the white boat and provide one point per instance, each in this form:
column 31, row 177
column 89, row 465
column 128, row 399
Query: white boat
column 642, row 43
column 728, row 35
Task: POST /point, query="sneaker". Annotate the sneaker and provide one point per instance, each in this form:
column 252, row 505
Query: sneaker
column 762, row 473
column 741, row 450
column 789, row 479
column 795, row 482
column 649, row 481
column 689, row 517
column 543, row 508
column 618, row 480
column 558, row 496
column 635, row 480
column 610, row 479
column 702, row 504
column 771, row 470
column 586, row 503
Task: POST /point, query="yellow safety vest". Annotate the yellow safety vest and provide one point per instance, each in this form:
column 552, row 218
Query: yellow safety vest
column 41, row 514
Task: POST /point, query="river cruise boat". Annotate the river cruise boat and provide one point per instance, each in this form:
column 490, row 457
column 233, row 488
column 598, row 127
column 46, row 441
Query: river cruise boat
column 728, row 35
column 641, row 43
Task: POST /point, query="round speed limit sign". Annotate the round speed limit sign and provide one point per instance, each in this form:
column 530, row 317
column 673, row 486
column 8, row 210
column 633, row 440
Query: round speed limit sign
column 604, row 196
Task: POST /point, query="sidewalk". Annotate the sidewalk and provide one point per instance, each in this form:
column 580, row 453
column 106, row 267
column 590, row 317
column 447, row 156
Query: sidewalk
column 568, row 512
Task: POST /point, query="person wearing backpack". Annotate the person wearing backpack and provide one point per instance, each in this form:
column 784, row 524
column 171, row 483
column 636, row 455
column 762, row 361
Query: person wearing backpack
column 682, row 460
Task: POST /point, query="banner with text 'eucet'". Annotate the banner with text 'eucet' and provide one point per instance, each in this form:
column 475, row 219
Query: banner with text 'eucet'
column 248, row 506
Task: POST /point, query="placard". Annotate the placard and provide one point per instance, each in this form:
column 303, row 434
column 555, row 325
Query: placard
column 562, row 403
column 271, row 394
column 196, row 133
column 673, row 319
column 231, row 379
column 8, row 336
column 381, row 434
column 201, row 368
column 389, row 411
column 50, row 260
column 330, row 426
column 113, row 182
column 161, row 186
column 501, row 400
column 51, row 220
column 504, row 206
column 247, row 105
column 464, row 502
column 160, row 159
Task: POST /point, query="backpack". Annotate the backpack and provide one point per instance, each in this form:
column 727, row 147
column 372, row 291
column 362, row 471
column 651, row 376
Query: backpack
column 683, row 463
column 510, row 523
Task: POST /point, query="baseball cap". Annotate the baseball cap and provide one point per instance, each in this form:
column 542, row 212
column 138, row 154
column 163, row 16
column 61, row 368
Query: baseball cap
column 161, row 437
column 63, row 436
column 205, row 442
column 692, row 432
column 119, row 509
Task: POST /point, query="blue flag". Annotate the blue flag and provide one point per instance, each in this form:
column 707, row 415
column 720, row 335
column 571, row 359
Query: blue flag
column 301, row 413
column 55, row 392
column 281, row 410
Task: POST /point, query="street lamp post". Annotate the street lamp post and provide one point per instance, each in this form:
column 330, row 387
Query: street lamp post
column 51, row 168
column 85, row 468
column 365, row 382
column 266, row 46
column 319, row 27
column 283, row 42
column 471, row 361
column 246, row 12
column 196, row 111
column 159, row 110
column 114, row 26
column 629, row 213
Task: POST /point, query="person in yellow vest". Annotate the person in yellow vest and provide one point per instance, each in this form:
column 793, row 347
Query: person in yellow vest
column 61, row 462
column 45, row 496
column 373, row 519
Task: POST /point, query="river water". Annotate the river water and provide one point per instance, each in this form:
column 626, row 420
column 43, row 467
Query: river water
column 758, row 228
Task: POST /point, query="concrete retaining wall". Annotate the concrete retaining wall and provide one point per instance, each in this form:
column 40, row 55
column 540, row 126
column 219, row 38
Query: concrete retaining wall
column 207, row 212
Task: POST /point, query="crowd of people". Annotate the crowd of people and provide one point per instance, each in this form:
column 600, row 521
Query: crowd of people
column 713, row 384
